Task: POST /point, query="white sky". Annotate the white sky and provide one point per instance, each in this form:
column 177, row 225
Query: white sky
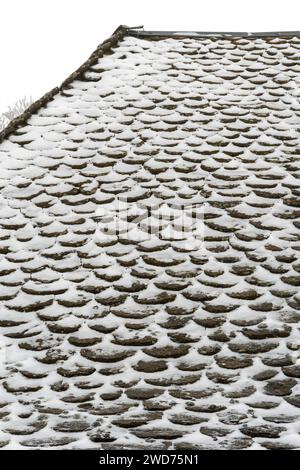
column 43, row 41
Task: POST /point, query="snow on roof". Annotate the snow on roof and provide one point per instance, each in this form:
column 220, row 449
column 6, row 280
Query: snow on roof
column 149, row 254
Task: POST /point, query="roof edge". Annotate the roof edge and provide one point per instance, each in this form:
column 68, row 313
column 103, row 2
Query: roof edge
column 144, row 33
column 103, row 48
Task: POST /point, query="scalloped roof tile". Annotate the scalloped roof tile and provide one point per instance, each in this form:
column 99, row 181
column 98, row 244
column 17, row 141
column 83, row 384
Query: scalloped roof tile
column 149, row 249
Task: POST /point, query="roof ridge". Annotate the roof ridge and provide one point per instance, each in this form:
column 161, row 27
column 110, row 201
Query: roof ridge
column 141, row 32
column 103, row 48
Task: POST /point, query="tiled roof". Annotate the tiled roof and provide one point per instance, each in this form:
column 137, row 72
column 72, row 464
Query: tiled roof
column 119, row 329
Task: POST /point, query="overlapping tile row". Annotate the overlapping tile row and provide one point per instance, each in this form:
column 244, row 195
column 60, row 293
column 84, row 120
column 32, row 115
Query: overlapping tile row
column 118, row 329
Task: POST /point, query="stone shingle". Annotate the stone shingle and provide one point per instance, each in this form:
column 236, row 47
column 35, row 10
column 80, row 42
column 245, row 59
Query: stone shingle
column 149, row 249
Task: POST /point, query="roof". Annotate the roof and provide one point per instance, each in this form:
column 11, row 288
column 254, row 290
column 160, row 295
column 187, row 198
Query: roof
column 149, row 254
